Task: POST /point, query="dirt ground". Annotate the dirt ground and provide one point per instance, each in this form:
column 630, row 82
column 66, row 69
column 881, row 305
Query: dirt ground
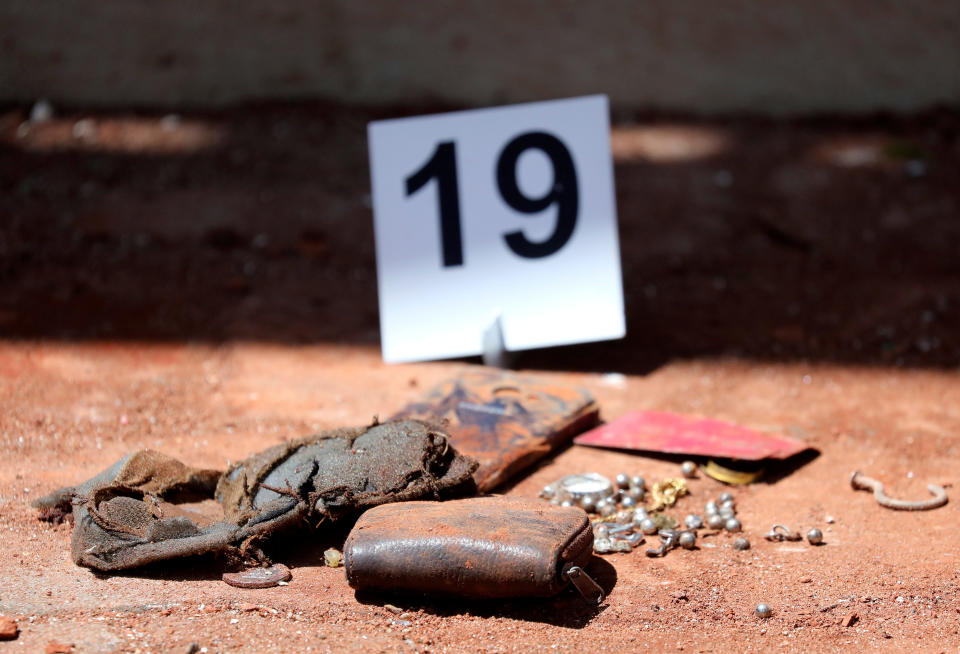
column 205, row 285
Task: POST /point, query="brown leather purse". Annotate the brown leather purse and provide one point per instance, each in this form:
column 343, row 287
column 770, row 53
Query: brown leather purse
column 482, row 547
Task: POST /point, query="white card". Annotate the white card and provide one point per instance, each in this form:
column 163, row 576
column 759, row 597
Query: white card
column 505, row 212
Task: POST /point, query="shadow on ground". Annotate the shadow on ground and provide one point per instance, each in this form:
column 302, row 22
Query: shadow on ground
column 567, row 609
column 827, row 239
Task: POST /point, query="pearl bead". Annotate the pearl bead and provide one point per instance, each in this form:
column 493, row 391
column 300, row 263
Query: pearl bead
column 588, row 504
column 566, row 503
column 725, row 497
column 693, row 521
column 636, row 492
column 622, row 480
column 608, row 510
column 687, row 540
column 648, row 526
column 741, row 544
column 815, row 536
column 711, row 507
column 715, row 521
column 602, row 531
column 732, row 525
column 637, row 481
column 688, row 468
column 763, row 611
column 628, row 502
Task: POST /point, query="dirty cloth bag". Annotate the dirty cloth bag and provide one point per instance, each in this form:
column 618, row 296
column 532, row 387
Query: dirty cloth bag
column 128, row 515
column 482, row 547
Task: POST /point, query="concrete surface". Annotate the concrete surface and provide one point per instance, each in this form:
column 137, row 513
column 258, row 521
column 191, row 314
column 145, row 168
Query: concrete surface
column 695, row 56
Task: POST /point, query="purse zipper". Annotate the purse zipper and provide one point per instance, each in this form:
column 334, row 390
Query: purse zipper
column 589, row 590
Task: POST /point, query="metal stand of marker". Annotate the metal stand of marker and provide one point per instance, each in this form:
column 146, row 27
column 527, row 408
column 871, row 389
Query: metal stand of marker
column 495, row 353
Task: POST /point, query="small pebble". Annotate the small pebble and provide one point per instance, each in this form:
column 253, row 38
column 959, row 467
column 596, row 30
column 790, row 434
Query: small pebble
column 693, row 521
column 830, row 519
column 8, row 628
column 732, row 525
column 741, row 544
column 602, row 545
column 689, row 469
column 815, row 536
column 763, row 611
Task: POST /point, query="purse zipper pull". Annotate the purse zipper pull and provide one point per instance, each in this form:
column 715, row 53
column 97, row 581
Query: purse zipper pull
column 585, row 585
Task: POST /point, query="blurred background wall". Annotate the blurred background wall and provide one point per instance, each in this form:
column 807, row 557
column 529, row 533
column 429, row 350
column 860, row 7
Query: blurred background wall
column 691, row 56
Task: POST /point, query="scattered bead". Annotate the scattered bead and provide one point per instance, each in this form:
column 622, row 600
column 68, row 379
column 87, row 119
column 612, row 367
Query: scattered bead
column 625, row 516
column 636, row 492
column 693, row 521
column 687, row 540
column 728, row 504
column 732, row 525
column 763, row 611
column 622, row 480
column 588, row 504
column 637, row 481
column 648, row 526
column 727, row 513
column 741, row 544
column 815, row 536
column 725, row 497
column 689, row 469
column 608, row 510
column 602, row 545
column 602, row 531
column 711, row 507
column 628, row 502
column 566, row 503
column 547, row 492
column 715, row 521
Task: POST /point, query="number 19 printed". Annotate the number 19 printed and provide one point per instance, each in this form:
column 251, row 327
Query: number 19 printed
column 495, row 213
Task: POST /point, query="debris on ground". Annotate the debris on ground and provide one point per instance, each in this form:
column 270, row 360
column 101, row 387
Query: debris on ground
column 265, row 577
column 8, row 628
column 860, row 481
column 127, row 516
column 332, row 558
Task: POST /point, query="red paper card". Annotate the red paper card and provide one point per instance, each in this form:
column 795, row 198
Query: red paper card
column 671, row 433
